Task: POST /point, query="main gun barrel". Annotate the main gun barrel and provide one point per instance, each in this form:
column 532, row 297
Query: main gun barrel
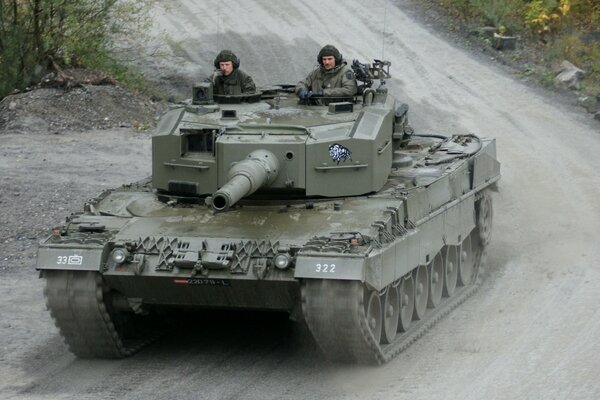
column 258, row 169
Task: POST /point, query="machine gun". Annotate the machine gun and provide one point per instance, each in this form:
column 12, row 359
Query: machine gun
column 366, row 73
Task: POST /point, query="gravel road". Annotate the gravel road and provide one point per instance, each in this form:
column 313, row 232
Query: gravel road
column 531, row 331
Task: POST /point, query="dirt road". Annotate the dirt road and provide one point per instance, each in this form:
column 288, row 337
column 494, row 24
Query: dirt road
column 531, row 331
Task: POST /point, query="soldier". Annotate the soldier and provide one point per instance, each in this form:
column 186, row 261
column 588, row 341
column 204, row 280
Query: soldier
column 333, row 78
column 229, row 79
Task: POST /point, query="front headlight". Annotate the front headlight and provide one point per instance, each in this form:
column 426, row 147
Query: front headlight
column 119, row 256
column 282, row 261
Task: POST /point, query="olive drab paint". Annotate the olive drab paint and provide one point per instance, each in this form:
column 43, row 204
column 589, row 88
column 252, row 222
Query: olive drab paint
column 330, row 211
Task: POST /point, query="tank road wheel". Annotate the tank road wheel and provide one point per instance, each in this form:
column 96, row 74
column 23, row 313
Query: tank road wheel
column 436, row 280
column 451, row 269
column 374, row 315
column 484, row 214
column 391, row 314
column 407, row 302
column 421, row 279
column 466, row 268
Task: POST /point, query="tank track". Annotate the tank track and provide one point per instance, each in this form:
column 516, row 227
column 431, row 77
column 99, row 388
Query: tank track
column 335, row 313
column 90, row 327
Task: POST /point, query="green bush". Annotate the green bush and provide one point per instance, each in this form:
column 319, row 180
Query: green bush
column 555, row 28
column 538, row 15
column 498, row 12
column 37, row 36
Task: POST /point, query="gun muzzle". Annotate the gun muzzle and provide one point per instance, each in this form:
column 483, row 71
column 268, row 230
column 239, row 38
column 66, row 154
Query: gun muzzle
column 258, row 169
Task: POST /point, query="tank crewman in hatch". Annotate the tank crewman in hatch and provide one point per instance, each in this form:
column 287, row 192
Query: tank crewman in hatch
column 333, row 78
column 228, row 77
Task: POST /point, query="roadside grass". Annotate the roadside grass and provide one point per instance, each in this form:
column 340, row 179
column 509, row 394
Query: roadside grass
column 550, row 30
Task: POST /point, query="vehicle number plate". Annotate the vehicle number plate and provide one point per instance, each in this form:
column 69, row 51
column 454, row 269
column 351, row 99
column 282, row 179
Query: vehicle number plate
column 325, row 268
column 69, row 260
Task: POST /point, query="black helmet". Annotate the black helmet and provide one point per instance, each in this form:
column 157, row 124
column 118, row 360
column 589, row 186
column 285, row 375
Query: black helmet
column 331, row 51
column 227, row 55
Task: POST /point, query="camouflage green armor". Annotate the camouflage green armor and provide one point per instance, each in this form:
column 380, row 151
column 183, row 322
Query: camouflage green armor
column 336, row 214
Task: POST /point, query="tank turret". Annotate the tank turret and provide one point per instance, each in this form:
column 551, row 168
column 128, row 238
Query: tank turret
column 339, row 147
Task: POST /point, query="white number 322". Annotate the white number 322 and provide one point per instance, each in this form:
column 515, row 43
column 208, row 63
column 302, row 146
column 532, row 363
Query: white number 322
column 325, row 268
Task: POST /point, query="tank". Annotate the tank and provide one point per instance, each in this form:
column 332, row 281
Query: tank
column 331, row 210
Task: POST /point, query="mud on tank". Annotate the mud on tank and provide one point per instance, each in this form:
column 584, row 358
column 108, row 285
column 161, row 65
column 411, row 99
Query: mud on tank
column 333, row 211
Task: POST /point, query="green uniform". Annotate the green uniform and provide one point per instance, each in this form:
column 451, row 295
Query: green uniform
column 237, row 82
column 338, row 82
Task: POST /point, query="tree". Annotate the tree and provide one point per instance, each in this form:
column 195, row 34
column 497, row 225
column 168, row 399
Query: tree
column 37, row 36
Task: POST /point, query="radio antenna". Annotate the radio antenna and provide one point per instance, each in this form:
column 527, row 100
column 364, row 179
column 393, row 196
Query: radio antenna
column 219, row 24
column 383, row 33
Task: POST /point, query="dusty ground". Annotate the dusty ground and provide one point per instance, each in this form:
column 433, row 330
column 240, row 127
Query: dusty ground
column 530, row 332
column 82, row 108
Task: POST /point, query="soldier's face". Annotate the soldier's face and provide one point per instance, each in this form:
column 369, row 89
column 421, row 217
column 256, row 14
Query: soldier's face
column 226, row 67
column 328, row 62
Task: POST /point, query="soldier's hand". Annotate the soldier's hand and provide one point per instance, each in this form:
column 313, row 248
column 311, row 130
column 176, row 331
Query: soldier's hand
column 315, row 94
column 303, row 93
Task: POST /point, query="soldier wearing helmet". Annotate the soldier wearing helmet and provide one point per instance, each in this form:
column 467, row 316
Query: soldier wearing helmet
column 333, row 77
column 228, row 78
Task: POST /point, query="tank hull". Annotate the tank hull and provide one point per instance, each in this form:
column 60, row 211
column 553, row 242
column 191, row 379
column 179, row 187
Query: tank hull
column 403, row 230
column 369, row 272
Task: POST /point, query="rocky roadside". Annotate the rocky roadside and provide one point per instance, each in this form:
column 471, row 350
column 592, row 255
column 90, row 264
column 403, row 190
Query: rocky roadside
column 523, row 62
column 82, row 107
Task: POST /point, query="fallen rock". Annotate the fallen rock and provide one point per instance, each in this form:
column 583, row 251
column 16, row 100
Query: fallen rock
column 589, row 103
column 569, row 76
column 502, row 42
column 71, row 78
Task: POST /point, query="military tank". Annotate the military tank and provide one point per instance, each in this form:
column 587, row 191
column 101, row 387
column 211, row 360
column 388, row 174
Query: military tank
column 331, row 209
